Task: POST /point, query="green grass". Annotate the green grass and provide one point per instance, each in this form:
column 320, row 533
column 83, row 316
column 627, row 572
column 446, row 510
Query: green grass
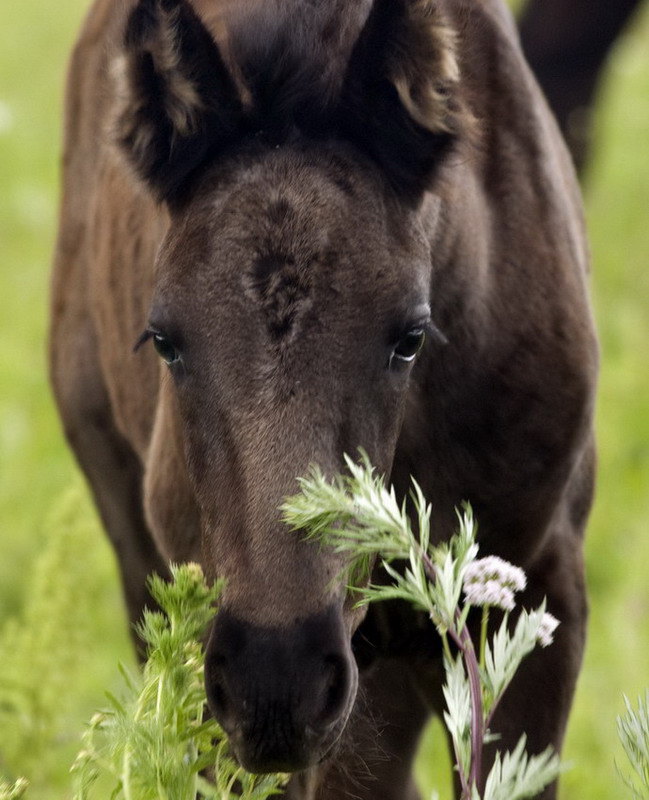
column 35, row 466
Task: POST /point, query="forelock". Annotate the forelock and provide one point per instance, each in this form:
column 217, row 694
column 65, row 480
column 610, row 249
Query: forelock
column 293, row 57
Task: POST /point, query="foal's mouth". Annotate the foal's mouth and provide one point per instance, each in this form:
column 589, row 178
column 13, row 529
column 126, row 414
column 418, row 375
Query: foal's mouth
column 261, row 754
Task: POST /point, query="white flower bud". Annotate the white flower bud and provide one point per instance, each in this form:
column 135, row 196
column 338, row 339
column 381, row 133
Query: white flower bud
column 496, row 569
column 491, row 581
column 490, row 593
column 548, row 626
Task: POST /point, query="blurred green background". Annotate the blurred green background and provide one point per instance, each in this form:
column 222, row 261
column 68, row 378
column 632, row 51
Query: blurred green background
column 62, row 626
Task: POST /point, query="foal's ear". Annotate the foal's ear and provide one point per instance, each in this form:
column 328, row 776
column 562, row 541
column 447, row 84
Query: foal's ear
column 178, row 102
column 400, row 95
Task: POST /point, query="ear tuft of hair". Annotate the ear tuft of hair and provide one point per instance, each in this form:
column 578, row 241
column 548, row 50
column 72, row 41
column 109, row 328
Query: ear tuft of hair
column 423, row 67
column 400, row 99
column 177, row 101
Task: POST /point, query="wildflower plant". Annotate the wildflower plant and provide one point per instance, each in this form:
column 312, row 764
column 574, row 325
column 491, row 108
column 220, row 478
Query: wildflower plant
column 357, row 515
column 156, row 743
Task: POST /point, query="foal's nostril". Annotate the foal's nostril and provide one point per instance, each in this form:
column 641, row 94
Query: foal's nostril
column 215, row 688
column 218, row 700
column 335, row 689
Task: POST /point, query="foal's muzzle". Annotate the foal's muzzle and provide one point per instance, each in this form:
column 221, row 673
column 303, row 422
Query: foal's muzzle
column 283, row 695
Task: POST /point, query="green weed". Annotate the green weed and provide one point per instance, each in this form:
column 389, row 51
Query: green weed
column 155, row 741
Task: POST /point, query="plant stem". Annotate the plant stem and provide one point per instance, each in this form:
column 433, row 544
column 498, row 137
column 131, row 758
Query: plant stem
column 159, row 696
column 466, row 789
column 126, row 773
column 483, row 634
column 429, row 568
column 465, row 644
column 126, row 761
column 447, row 649
column 162, row 792
column 233, row 780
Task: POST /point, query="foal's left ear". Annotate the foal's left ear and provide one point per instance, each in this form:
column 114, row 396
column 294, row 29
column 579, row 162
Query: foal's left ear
column 400, row 97
column 178, row 102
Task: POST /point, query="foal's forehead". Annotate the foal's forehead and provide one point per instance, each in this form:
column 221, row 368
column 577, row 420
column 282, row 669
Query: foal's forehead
column 289, row 247
column 288, row 186
column 284, row 231
column 285, row 204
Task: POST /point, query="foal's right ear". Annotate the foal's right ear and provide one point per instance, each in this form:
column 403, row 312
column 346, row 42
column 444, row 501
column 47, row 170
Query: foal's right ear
column 400, row 100
column 178, row 102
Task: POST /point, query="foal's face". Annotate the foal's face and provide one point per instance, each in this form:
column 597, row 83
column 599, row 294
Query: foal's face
column 290, row 305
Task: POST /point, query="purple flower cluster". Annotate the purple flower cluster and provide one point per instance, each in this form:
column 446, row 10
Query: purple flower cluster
column 491, row 581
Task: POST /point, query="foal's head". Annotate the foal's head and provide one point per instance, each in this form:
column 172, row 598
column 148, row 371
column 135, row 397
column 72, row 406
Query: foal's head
column 290, row 303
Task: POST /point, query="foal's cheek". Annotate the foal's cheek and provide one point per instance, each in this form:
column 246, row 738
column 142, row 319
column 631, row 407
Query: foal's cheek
column 170, row 508
column 172, row 515
column 353, row 614
column 378, row 435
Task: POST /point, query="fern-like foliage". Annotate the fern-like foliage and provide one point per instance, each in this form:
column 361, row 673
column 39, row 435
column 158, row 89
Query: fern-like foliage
column 516, row 776
column 156, row 742
column 506, row 651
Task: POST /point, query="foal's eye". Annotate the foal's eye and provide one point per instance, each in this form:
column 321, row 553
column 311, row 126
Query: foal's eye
column 165, row 349
column 409, row 346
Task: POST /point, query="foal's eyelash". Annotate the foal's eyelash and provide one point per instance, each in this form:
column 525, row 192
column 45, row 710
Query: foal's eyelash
column 434, row 332
column 142, row 338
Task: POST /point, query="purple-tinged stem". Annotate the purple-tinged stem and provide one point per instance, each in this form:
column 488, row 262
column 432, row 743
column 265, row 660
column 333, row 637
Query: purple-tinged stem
column 465, row 644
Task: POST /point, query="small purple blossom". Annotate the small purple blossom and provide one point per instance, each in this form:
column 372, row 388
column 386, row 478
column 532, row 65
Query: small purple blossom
column 548, row 626
column 494, row 568
column 491, row 581
column 490, row 593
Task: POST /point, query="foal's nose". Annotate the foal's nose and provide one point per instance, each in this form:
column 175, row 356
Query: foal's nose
column 282, row 694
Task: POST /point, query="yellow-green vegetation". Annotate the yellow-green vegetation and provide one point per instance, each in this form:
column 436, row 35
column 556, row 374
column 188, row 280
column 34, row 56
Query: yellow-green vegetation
column 44, row 652
column 36, row 467
column 14, row 791
column 633, row 729
column 54, row 665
